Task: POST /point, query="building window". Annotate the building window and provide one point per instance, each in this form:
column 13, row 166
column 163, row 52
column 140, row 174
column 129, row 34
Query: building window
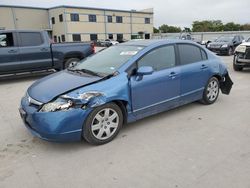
column 147, row 20
column 92, row 18
column 63, row 38
column 118, row 19
column 119, row 37
column 55, row 38
column 76, row 37
column 61, row 18
column 93, row 37
column 110, row 20
column 111, row 36
column 74, row 17
column 53, row 20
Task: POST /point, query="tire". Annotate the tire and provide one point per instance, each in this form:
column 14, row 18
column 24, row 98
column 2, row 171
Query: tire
column 98, row 129
column 69, row 61
column 211, row 91
column 230, row 51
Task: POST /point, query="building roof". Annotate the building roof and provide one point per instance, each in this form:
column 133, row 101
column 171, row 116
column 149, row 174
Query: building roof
column 77, row 7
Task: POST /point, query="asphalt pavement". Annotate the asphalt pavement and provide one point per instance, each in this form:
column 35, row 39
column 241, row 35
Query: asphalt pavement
column 191, row 146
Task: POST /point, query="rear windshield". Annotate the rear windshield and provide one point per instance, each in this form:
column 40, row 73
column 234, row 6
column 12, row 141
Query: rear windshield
column 109, row 60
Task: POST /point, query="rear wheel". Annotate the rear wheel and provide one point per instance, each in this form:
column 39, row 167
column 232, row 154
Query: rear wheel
column 211, row 91
column 103, row 124
column 70, row 62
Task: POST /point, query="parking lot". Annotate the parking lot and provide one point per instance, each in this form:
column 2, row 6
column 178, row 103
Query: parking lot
column 191, row 146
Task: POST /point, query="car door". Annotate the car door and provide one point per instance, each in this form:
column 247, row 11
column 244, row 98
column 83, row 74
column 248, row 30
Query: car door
column 195, row 72
column 9, row 53
column 159, row 91
column 34, row 51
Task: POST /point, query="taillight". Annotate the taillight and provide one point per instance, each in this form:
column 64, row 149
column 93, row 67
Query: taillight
column 92, row 47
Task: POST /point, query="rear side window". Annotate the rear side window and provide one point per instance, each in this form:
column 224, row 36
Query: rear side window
column 160, row 58
column 6, row 40
column 190, row 54
column 30, row 39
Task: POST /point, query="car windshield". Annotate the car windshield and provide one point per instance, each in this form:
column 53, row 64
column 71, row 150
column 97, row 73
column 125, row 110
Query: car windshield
column 109, row 60
column 224, row 39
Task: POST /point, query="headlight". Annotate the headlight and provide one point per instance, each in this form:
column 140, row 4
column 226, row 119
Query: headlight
column 241, row 49
column 59, row 104
column 85, row 96
column 65, row 102
column 224, row 46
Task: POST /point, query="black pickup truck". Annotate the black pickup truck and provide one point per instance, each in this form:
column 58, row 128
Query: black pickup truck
column 24, row 51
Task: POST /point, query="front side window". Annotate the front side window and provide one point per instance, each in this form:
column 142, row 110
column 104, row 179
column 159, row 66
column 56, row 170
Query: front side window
column 160, row 58
column 190, row 54
column 6, row 40
column 92, row 18
column 76, row 37
column 74, row 17
column 118, row 19
column 30, row 39
column 109, row 60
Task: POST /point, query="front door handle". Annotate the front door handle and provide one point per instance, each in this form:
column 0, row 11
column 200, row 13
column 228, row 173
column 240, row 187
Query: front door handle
column 12, row 51
column 204, row 66
column 172, row 75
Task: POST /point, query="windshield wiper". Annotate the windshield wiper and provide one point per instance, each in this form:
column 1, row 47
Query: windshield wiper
column 87, row 72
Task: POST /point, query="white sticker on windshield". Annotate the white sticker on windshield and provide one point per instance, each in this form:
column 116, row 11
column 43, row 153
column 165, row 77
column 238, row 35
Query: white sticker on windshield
column 129, row 53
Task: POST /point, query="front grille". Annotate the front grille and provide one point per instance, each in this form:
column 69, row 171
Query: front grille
column 215, row 45
column 248, row 53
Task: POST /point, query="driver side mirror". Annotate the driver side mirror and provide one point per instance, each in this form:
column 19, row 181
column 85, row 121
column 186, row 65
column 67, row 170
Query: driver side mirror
column 145, row 70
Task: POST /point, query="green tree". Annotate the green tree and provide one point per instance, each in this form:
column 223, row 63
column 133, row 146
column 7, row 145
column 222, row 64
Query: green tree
column 231, row 26
column 156, row 30
column 245, row 27
column 207, row 25
column 169, row 29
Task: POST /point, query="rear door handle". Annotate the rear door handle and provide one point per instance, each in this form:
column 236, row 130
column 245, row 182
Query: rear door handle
column 204, row 66
column 12, row 51
column 44, row 49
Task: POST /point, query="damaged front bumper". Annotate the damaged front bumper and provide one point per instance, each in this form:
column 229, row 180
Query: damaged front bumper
column 60, row 126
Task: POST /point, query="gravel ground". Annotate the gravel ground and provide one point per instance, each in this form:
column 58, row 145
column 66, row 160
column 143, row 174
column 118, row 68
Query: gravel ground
column 191, row 146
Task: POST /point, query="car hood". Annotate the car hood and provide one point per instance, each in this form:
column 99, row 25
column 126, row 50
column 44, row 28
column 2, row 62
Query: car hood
column 47, row 88
column 245, row 44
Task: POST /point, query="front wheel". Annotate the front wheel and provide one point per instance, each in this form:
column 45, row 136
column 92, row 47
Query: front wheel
column 211, row 91
column 103, row 124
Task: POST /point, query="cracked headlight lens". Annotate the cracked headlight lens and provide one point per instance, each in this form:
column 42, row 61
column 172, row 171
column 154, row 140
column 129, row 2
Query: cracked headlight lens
column 59, row 104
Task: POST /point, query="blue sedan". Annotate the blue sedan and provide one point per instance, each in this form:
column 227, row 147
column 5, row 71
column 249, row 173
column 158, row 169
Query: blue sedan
column 122, row 84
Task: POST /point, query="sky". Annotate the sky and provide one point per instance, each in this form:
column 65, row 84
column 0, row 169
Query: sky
column 171, row 12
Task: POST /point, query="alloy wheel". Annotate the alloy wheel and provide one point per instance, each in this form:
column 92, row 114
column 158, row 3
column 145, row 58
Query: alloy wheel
column 105, row 124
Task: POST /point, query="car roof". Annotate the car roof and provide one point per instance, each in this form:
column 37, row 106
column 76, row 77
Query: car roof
column 154, row 42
